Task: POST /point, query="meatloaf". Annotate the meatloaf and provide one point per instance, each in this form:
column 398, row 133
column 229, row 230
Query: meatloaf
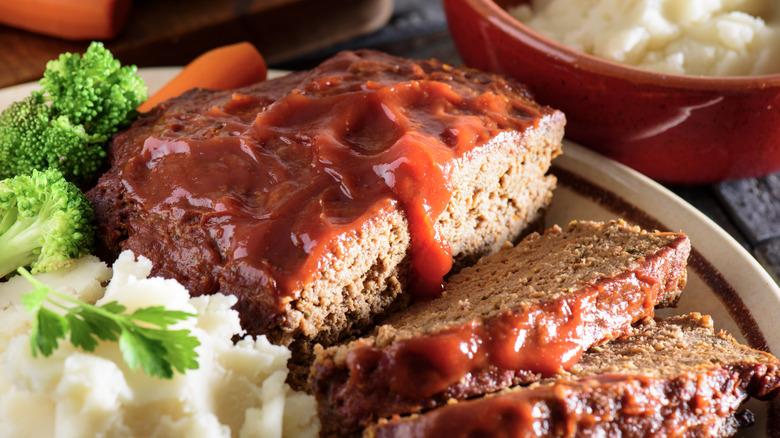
column 327, row 197
column 671, row 378
column 523, row 313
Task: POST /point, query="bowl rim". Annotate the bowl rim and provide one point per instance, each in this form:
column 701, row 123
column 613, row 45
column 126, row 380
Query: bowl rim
column 501, row 18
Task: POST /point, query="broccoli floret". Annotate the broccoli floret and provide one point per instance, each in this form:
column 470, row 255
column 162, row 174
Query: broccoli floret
column 65, row 125
column 31, row 138
column 46, row 222
column 93, row 90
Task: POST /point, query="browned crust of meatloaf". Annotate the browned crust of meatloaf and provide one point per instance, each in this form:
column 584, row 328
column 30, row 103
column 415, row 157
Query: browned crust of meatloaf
column 619, row 271
column 673, row 378
column 500, row 191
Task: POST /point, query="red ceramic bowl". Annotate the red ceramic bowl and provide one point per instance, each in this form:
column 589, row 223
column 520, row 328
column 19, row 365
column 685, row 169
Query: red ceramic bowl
column 673, row 128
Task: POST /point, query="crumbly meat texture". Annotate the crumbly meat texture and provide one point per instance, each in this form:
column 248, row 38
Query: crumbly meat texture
column 589, row 282
column 500, row 191
column 543, row 268
column 676, row 377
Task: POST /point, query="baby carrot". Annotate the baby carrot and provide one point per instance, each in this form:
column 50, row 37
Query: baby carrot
column 68, row 19
column 223, row 68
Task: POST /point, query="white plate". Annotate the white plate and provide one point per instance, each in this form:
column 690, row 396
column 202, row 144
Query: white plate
column 724, row 280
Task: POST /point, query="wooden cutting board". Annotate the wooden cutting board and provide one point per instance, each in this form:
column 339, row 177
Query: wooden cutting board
column 173, row 32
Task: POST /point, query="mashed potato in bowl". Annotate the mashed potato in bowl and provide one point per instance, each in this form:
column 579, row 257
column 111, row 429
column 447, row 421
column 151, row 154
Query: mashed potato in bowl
column 238, row 390
column 695, row 37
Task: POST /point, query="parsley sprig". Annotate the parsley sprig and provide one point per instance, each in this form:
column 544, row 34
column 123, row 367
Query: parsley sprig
column 143, row 335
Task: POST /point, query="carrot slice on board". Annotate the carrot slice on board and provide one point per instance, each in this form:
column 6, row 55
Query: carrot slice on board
column 69, row 19
column 223, row 68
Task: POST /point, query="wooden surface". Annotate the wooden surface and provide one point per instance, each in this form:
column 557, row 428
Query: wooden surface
column 754, row 205
column 172, row 32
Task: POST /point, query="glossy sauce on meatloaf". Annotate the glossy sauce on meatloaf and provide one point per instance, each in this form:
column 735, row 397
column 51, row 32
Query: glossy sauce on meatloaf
column 525, row 312
column 267, row 178
column 675, row 377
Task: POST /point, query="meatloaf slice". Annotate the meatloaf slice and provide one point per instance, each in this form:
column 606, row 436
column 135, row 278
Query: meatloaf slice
column 327, row 197
column 522, row 313
column 671, row 378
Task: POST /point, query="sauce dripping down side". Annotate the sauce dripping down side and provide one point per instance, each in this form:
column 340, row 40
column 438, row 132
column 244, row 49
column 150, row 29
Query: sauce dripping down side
column 275, row 179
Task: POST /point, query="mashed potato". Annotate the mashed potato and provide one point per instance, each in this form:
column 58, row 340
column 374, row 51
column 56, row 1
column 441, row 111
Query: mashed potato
column 696, row 37
column 238, row 390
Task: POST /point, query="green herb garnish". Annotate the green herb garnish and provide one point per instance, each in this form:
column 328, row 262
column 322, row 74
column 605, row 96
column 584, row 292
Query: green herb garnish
column 143, row 335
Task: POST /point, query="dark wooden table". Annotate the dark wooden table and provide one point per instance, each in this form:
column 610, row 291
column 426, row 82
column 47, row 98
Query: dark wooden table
column 295, row 34
column 172, row 32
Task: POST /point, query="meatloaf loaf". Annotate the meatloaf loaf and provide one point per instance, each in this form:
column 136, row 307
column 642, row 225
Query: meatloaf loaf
column 671, row 378
column 327, row 197
column 525, row 312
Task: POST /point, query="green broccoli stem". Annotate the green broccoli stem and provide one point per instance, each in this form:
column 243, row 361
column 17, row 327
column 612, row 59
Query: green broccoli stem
column 21, row 243
column 8, row 219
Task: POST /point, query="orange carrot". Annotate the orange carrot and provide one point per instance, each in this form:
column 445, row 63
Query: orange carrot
column 69, row 19
column 223, row 68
